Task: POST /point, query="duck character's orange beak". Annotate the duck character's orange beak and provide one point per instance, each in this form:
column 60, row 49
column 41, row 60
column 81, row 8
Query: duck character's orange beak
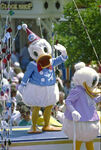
column 44, row 61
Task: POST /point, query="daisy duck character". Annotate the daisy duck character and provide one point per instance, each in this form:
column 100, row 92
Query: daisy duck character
column 38, row 86
column 81, row 112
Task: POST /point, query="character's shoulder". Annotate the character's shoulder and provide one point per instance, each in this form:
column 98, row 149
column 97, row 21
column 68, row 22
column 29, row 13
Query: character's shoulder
column 33, row 63
column 76, row 89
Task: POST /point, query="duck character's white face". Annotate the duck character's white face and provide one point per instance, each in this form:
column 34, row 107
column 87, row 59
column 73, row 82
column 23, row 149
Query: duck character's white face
column 86, row 77
column 41, row 51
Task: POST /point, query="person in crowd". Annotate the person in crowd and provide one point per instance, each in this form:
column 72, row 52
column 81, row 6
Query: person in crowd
column 99, row 90
column 19, row 73
column 13, row 94
column 59, row 81
column 18, row 96
column 14, row 114
column 67, row 87
column 1, row 109
column 24, row 57
column 15, row 80
column 26, row 118
column 19, row 109
column 8, row 72
column 11, row 114
column 14, row 57
column 61, row 101
column 59, row 109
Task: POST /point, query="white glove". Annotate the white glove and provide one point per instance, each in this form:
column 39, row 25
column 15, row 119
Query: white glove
column 76, row 115
column 21, row 88
column 61, row 48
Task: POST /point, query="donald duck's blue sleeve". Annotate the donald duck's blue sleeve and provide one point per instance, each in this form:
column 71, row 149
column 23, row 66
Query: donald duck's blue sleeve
column 58, row 60
column 27, row 75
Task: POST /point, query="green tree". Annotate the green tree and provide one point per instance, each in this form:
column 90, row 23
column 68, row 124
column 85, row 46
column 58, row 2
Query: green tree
column 72, row 35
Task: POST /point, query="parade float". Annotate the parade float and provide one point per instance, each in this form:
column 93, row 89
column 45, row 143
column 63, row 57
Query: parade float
column 14, row 138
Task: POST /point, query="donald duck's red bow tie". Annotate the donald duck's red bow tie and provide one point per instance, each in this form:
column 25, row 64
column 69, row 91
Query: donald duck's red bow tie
column 40, row 68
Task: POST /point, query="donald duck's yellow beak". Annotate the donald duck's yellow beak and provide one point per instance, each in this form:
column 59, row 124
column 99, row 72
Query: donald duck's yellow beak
column 44, row 61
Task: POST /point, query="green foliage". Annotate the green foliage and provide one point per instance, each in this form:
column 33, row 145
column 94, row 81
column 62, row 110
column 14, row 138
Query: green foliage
column 71, row 33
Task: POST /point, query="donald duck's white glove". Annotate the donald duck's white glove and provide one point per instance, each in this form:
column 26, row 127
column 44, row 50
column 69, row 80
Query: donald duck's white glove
column 76, row 115
column 21, row 88
column 61, row 48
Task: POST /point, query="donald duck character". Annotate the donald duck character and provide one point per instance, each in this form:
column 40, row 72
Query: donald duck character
column 38, row 86
column 81, row 113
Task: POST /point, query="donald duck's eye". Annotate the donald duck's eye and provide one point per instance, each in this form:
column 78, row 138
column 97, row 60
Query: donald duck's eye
column 94, row 81
column 45, row 49
column 35, row 53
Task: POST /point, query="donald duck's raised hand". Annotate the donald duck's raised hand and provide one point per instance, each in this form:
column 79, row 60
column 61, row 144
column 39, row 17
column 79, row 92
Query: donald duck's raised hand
column 61, row 48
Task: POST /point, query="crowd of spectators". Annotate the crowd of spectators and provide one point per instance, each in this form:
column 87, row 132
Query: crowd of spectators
column 12, row 108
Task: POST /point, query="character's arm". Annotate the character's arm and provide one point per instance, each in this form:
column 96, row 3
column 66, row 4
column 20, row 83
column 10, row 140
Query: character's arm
column 62, row 58
column 58, row 60
column 30, row 69
column 72, row 98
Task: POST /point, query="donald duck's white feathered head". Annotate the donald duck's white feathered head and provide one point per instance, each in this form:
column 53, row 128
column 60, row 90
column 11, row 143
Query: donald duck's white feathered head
column 39, row 49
